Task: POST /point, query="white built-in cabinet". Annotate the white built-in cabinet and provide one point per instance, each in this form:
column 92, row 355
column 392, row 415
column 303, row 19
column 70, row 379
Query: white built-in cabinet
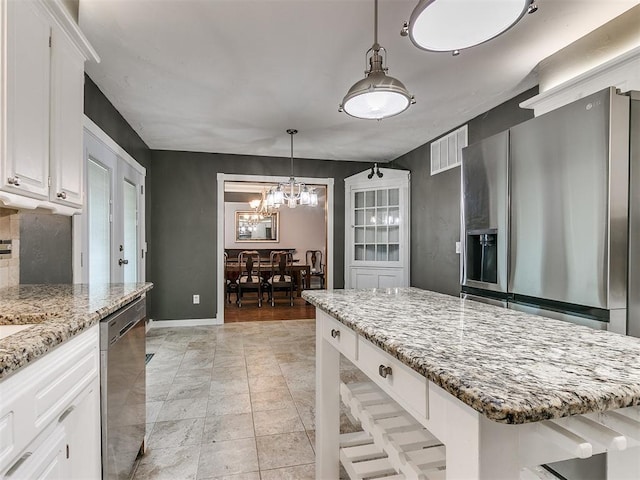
column 377, row 229
column 50, row 414
column 43, row 54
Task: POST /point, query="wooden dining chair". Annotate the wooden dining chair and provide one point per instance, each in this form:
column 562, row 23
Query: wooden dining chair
column 316, row 267
column 280, row 275
column 250, row 278
column 230, row 280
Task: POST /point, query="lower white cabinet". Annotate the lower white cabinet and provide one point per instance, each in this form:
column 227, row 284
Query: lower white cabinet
column 50, row 414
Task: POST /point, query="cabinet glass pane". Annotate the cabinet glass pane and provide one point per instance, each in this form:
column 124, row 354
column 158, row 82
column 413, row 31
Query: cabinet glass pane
column 394, row 253
column 370, row 216
column 394, row 196
column 382, row 235
column 359, row 252
column 394, row 216
column 370, row 252
column 359, row 235
column 394, row 234
column 382, row 198
column 370, row 236
column 370, row 200
column 381, row 216
column 359, row 217
column 381, row 253
column 98, row 210
column 359, row 201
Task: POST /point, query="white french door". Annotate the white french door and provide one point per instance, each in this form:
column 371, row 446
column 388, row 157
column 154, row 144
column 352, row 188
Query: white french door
column 109, row 243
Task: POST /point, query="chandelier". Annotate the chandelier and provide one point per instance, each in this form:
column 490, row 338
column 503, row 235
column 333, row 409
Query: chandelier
column 292, row 192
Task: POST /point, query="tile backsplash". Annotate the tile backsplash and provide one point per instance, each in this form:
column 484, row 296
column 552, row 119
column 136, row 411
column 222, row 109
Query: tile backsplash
column 10, row 264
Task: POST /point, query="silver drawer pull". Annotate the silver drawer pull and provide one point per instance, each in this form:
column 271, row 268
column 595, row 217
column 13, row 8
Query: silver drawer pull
column 16, row 465
column 66, row 413
column 383, row 371
column 62, row 195
column 335, row 333
column 15, row 181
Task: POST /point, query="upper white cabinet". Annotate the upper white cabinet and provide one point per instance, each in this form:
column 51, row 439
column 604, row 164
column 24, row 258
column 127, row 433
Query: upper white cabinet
column 43, row 55
column 377, row 229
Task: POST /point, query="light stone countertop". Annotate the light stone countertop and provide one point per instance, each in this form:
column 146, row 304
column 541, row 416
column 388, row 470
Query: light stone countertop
column 59, row 312
column 510, row 366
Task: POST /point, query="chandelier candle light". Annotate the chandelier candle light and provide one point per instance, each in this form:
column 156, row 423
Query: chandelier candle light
column 292, row 192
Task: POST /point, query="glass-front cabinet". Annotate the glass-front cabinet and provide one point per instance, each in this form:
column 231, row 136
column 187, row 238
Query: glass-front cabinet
column 377, row 217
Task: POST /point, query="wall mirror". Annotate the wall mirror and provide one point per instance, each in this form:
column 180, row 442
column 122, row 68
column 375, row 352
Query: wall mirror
column 253, row 227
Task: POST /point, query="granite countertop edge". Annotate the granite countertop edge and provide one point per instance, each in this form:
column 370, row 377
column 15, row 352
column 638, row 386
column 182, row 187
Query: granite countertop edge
column 49, row 328
column 491, row 408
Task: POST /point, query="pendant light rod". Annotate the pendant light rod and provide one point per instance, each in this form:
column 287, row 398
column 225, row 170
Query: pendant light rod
column 375, row 23
column 292, row 132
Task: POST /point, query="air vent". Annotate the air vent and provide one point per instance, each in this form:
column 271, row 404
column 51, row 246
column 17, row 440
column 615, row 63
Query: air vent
column 446, row 151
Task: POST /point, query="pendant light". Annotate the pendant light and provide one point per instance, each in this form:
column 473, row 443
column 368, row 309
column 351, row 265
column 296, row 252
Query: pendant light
column 291, row 193
column 452, row 25
column 376, row 96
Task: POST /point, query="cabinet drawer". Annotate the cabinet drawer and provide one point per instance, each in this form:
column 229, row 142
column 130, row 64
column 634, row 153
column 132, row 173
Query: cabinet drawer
column 38, row 394
column 340, row 336
column 401, row 383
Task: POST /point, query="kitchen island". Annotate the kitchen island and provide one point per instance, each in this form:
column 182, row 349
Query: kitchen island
column 502, row 390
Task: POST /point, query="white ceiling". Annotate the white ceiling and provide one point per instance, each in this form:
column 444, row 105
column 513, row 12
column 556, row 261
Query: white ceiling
column 230, row 76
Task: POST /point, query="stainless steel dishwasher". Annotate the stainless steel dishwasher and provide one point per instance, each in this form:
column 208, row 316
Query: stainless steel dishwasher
column 122, row 388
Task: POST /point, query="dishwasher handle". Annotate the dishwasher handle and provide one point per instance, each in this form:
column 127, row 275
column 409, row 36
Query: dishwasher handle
column 119, row 323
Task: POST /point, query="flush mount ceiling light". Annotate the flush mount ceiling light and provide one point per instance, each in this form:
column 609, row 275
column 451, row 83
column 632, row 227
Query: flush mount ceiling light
column 452, row 25
column 377, row 95
column 292, row 192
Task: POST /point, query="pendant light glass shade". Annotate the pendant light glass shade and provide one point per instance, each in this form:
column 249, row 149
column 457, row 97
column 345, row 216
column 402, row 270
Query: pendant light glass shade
column 376, row 96
column 449, row 25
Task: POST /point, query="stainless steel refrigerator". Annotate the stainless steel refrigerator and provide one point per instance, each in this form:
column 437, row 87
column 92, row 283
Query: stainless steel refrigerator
column 551, row 222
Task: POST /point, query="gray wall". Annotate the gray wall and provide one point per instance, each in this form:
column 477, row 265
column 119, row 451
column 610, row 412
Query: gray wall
column 435, row 202
column 182, row 259
column 45, row 248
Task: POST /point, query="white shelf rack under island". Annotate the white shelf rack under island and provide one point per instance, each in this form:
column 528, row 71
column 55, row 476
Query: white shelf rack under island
column 463, row 390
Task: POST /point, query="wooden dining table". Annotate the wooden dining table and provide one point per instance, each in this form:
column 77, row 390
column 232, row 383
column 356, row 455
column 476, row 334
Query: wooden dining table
column 265, row 270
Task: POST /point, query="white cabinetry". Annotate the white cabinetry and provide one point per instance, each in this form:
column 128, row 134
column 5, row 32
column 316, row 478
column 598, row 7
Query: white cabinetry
column 50, row 414
column 43, row 54
column 377, row 229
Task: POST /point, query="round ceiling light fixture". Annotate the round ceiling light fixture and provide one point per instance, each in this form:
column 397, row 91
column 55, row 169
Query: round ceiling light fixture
column 453, row 25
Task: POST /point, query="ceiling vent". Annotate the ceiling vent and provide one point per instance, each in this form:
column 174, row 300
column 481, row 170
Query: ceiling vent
column 446, row 151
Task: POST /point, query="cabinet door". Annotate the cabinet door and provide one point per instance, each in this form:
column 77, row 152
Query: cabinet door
column 82, row 425
column 67, row 83
column 47, row 461
column 25, row 168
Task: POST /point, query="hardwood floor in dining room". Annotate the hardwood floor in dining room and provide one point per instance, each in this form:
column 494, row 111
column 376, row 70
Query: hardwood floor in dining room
column 250, row 312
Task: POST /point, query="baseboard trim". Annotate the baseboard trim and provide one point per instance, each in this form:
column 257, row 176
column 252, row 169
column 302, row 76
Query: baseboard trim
column 186, row 322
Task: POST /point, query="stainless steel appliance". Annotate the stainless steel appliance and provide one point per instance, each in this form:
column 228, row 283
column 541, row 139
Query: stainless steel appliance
column 572, row 248
column 123, row 388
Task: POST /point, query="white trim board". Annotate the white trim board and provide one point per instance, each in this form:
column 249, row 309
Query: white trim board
column 187, row 322
column 224, row 177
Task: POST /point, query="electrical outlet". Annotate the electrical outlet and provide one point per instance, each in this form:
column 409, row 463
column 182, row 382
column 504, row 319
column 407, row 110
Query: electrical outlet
column 196, row 299
column 457, row 247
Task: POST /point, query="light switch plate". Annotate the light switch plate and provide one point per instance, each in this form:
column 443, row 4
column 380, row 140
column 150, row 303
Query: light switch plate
column 196, row 299
column 457, row 247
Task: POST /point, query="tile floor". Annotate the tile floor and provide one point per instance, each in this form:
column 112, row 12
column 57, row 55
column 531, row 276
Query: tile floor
column 234, row 401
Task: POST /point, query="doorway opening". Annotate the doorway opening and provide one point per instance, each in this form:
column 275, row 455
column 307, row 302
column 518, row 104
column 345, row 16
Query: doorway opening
column 296, row 230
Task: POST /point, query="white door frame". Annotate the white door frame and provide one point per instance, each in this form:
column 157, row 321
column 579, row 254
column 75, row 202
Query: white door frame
column 223, row 177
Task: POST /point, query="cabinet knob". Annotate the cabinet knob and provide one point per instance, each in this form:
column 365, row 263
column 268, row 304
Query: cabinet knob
column 384, row 371
column 15, row 181
column 335, row 333
column 123, row 262
column 62, row 195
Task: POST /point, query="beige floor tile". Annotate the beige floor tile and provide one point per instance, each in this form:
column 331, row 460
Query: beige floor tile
column 176, row 433
column 227, row 458
column 265, row 384
column 228, row 373
column 274, row 399
column 285, row 450
column 183, row 409
column 300, row 472
column 224, row 361
column 153, row 408
column 169, row 464
column 188, row 388
column 158, row 392
column 272, row 422
column 240, row 476
column 229, row 404
column 263, row 369
column 233, row 386
column 219, row 428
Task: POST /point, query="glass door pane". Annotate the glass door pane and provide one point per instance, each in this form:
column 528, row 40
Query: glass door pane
column 98, row 215
column 130, row 231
